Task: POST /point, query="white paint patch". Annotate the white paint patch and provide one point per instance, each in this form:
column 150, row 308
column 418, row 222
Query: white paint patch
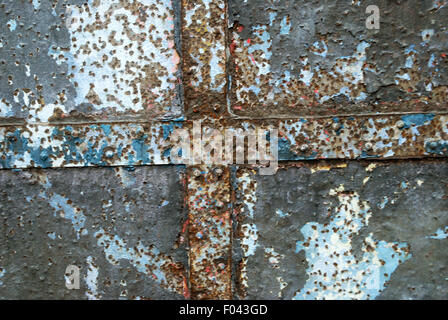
column 2, row 274
column 12, row 25
column 334, row 272
column 249, row 240
column 116, row 60
column 5, row 109
column 427, row 34
column 36, row 4
column 44, row 113
column 92, row 280
column 248, row 187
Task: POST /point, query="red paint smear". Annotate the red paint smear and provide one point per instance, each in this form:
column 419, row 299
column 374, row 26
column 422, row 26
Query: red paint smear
column 237, row 107
column 232, row 47
column 252, row 57
column 184, row 228
column 186, row 291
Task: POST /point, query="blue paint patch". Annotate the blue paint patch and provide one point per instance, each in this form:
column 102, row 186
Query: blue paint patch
column 12, row 25
column 383, row 203
column 437, row 147
column 167, row 130
column 365, row 155
column 285, row 26
column 2, row 274
column 106, row 129
column 285, row 153
column 51, row 235
column 36, row 4
column 431, row 61
column 334, row 272
column 141, row 149
column 265, row 37
column 76, row 216
column 416, row 119
column 147, row 260
column 440, row 234
column 167, row 153
column 164, row 203
column 281, row 214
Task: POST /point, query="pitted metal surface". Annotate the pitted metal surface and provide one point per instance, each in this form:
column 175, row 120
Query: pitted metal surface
column 204, row 44
column 309, row 58
column 210, row 230
column 110, row 222
column 84, row 145
column 90, row 60
column 128, row 144
column 93, row 94
column 342, row 230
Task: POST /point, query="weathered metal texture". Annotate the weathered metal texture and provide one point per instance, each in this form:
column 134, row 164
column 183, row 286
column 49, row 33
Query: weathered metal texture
column 83, row 145
column 128, row 144
column 342, row 230
column 204, row 38
column 210, row 232
column 98, row 83
column 296, row 58
column 89, row 60
column 382, row 137
column 122, row 227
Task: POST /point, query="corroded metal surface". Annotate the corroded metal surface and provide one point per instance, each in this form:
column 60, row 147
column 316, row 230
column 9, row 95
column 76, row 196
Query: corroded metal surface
column 210, row 230
column 380, row 137
column 204, row 47
column 81, row 145
column 342, row 230
column 123, row 228
column 294, row 58
column 98, row 88
column 89, row 60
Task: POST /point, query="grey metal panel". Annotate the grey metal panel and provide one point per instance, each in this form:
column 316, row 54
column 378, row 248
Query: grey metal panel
column 343, row 230
column 297, row 58
column 89, row 84
column 89, row 60
column 123, row 227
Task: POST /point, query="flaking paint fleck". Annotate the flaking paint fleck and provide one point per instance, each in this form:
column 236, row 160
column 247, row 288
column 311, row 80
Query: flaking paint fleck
column 440, row 234
column 92, row 280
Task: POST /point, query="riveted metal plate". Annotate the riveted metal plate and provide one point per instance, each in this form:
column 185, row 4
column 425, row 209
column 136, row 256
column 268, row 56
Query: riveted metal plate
column 204, row 47
column 84, row 145
column 342, row 230
column 297, row 58
column 89, row 60
column 210, row 232
column 123, row 228
column 94, row 91
column 79, row 145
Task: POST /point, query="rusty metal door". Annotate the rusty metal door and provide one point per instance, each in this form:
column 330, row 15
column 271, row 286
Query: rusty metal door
column 93, row 92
